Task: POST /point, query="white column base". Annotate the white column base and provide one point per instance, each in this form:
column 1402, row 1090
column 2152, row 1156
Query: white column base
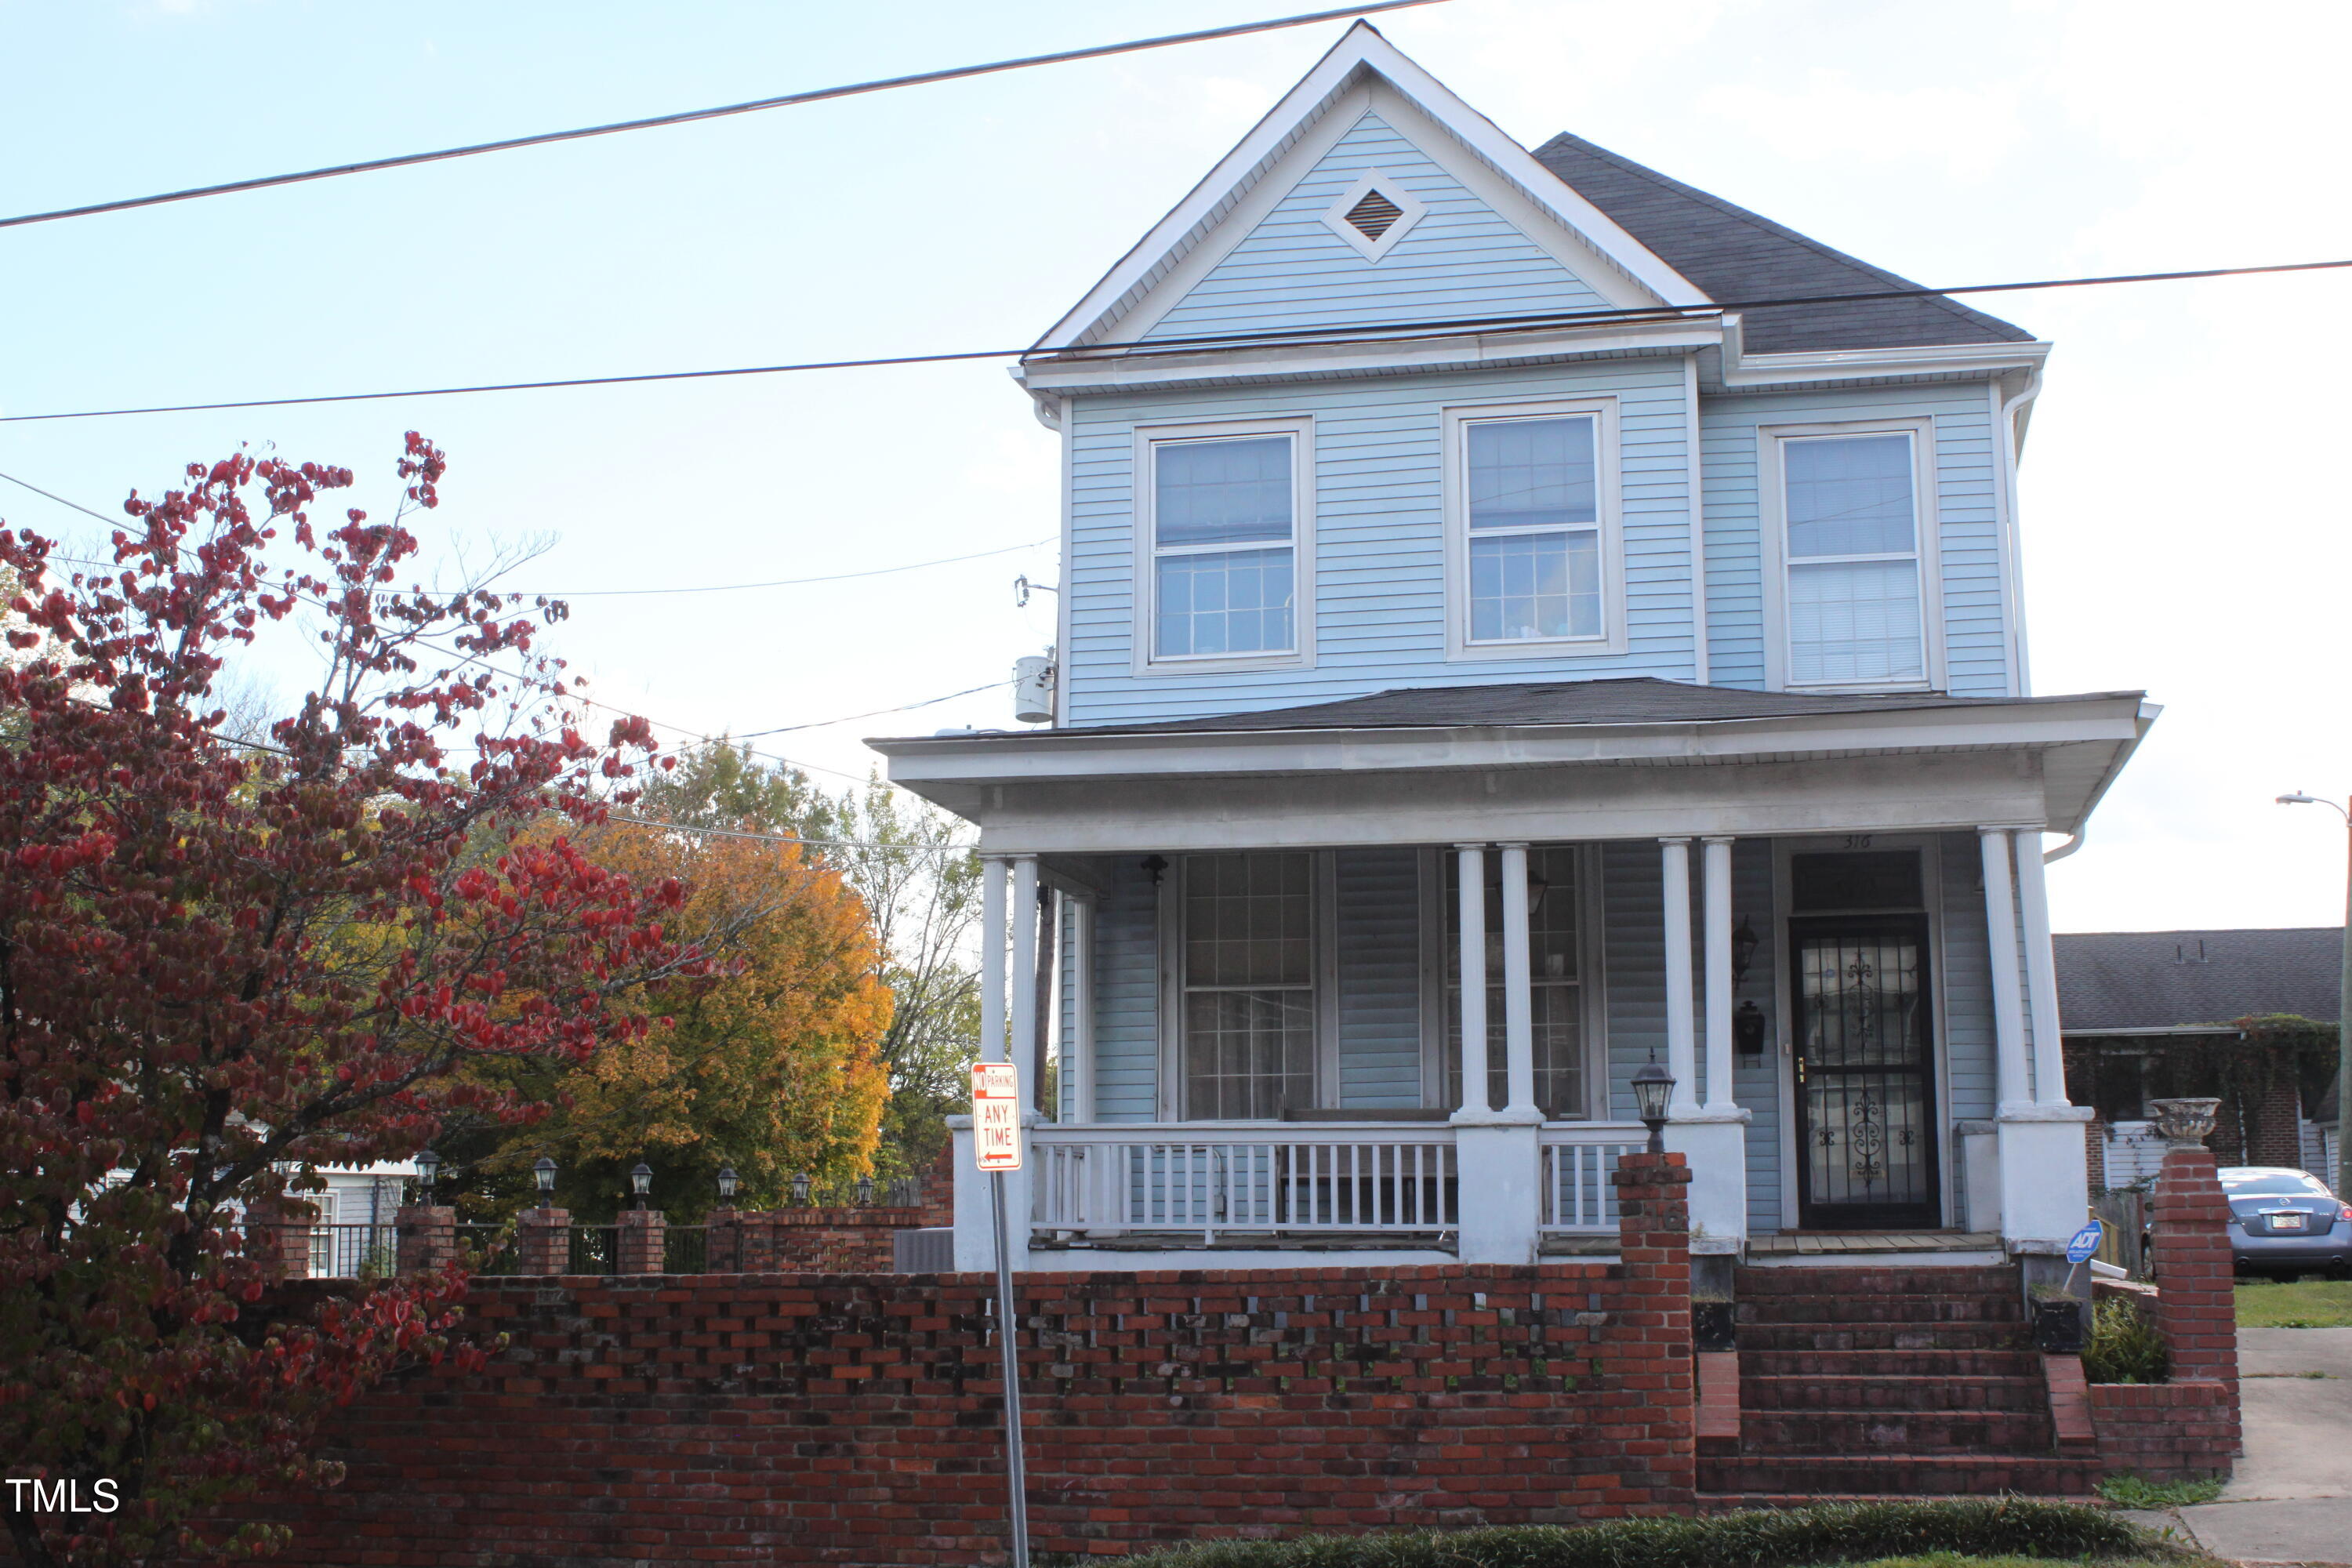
column 2045, row 1192
column 1498, row 1170
column 1715, row 1143
column 1979, row 1143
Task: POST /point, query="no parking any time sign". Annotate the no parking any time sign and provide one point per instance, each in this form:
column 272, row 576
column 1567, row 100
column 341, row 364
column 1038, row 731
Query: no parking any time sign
column 996, row 1115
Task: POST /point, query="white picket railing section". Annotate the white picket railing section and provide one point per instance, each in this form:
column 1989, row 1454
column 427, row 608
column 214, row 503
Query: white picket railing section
column 1577, row 1162
column 1165, row 1179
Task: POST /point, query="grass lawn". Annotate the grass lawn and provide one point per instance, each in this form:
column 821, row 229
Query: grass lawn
column 2306, row 1304
column 1960, row 1560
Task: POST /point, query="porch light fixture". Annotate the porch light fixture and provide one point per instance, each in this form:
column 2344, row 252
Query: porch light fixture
column 1651, row 1087
column 1744, row 942
column 641, row 1181
column 428, row 1166
column 727, row 1182
column 1158, row 866
column 542, row 1170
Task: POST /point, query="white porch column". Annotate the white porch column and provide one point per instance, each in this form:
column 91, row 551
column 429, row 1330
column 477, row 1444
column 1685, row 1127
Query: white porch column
column 1023, row 923
column 1471, row 863
column 1682, row 1046
column 993, row 870
column 1519, row 997
column 2041, row 971
column 2045, row 1186
column 1497, row 1162
column 1713, row 1139
column 1078, row 974
column 1715, row 867
column 2000, row 946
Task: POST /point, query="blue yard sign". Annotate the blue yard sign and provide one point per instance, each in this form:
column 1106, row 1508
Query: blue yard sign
column 2085, row 1242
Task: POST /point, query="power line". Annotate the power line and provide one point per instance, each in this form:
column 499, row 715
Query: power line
column 814, row 94
column 779, row 583
column 879, row 712
column 1157, row 347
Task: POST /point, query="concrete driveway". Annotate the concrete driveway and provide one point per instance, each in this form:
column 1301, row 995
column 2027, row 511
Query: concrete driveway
column 2291, row 1500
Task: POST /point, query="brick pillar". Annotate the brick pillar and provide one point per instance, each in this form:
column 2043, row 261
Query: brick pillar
column 738, row 1241
column 1654, row 1331
column 2195, row 1306
column 278, row 1235
column 2274, row 1137
column 543, row 1241
column 428, row 1236
column 641, row 1242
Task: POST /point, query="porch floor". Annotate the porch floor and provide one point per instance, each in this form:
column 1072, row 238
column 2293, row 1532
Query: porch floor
column 1825, row 1243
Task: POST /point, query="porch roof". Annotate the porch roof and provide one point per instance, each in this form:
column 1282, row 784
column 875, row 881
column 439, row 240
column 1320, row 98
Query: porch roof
column 1808, row 762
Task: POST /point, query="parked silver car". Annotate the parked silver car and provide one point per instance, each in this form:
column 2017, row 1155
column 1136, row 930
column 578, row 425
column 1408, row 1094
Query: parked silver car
column 2285, row 1220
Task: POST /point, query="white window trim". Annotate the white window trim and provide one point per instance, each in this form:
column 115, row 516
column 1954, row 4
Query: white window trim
column 1322, row 936
column 1612, row 639
column 1410, row 210
column 1438, row 952
column 1773, row 515
column 1145, row 658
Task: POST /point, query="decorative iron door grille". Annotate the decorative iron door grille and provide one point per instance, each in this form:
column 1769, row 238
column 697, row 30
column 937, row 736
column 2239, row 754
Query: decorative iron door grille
column 1864, row 1066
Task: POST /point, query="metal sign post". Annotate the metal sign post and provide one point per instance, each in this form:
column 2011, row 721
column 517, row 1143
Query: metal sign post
column 2078, row 1250
column 996, row 1142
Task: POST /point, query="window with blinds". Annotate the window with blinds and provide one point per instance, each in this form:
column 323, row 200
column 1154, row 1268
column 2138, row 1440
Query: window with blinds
column 1224, row 547
column 1850, row 546
column 1248, row 983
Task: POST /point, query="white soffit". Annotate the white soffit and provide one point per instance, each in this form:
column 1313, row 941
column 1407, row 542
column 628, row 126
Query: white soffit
column 1097, row 317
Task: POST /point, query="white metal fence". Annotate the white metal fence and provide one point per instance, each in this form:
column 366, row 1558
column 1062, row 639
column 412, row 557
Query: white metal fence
column 1331, row 1180
column 1577, row 1161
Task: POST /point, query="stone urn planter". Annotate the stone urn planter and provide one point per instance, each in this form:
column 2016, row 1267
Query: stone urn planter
column 2058, row 1325
column 1715, row 1326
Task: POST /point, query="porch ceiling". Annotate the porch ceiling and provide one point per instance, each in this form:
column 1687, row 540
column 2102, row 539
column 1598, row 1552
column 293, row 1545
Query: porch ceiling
column 1816, row 765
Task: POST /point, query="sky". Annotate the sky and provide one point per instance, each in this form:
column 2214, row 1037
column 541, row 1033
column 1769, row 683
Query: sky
column 2182, row 531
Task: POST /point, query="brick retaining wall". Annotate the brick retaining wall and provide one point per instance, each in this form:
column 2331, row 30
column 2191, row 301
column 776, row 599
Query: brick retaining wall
column 853, row 1419
column 2180, row 1431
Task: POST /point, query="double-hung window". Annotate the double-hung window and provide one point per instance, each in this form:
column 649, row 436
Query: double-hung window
column 1247, row 978
column 1533, row 551
column 1854, row 591
column 1224, row 546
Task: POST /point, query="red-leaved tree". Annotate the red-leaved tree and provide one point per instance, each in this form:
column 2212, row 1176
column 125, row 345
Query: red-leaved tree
column 223, row 961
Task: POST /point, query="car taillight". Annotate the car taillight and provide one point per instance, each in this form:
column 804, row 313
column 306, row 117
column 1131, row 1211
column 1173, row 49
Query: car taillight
column 2345, row 1213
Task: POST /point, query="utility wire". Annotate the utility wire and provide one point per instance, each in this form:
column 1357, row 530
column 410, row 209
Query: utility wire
column 876, row 714
column 786, row 100
column 1087, row 352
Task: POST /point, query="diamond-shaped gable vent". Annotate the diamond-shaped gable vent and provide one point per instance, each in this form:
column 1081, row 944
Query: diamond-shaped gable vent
column 1372, row 215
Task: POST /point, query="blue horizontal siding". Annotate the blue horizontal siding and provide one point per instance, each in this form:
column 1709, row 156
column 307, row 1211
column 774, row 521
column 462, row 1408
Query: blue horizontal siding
column 1461, row 259
column 1379, row 932
column 1126, row 994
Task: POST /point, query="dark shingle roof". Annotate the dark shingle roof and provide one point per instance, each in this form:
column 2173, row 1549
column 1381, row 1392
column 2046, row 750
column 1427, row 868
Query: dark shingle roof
column 1636, row 699
column 2172, row 979
column 1734, row 254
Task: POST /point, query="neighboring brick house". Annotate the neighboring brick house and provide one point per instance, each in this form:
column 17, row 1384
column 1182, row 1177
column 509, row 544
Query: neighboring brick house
column 2157, row 1013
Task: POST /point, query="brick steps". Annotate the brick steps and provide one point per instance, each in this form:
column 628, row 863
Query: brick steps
column 1820, row 1477
column 1925, row 1431
column 1895, row 1389
column 1728, row 1502
column 1887, row 1383
column 1912, row 1363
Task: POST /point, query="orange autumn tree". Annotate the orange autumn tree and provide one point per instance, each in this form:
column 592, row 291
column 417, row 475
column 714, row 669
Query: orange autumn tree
column 774, row 1067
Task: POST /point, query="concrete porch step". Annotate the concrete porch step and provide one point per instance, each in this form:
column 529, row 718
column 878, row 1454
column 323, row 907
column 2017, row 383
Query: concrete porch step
column 1909, row 1389
column 1804, row 1362
column 1764, row 1433
column 1909, row 1280
column 1820, row 1477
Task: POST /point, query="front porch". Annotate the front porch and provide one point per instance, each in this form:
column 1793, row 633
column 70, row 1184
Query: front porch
column 1234, row 960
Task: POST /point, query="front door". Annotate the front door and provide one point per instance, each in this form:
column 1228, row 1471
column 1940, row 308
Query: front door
column 1865, row 1085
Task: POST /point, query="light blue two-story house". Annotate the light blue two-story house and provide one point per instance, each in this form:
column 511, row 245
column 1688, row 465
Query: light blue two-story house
column 1470, row 565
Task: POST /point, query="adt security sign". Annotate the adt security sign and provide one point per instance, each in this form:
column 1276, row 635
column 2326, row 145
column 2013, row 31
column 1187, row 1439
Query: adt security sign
column 996, row 1115
column 2085, row 1242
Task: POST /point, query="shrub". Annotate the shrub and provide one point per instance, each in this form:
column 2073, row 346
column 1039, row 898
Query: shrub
column 2123, row 1344
column 1838, row 1532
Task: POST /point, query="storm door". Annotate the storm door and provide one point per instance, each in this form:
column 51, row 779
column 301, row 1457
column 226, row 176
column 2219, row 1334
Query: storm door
column 1864, row 1046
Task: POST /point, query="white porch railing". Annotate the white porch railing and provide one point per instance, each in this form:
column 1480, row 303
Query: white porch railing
column 1331, row 1180
column 1577, row 1161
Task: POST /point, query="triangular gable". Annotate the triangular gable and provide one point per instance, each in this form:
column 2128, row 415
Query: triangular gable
column 1363, row 72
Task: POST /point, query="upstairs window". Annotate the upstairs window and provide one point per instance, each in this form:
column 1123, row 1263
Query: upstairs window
column 1855, row 595
column 1248, row 980
column 1224, row 547
column 1531, row 516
